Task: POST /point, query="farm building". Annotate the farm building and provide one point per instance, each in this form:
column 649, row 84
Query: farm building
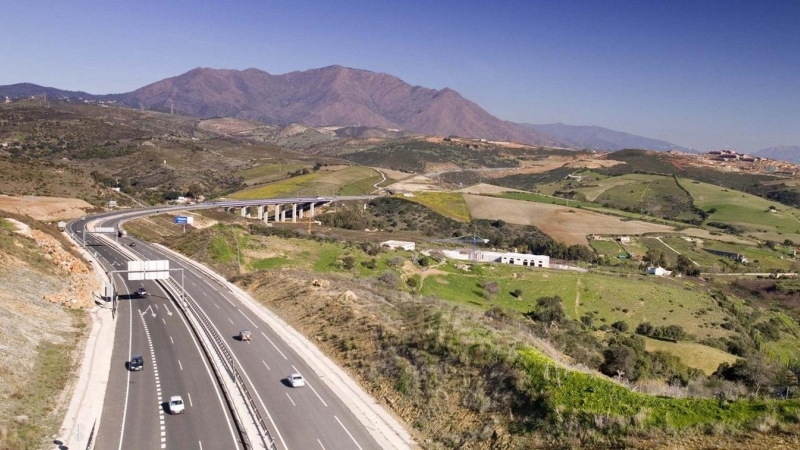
column 521, row 259
column 734, row 256
column 659, row 271
column 403, row 245
column 624, row 239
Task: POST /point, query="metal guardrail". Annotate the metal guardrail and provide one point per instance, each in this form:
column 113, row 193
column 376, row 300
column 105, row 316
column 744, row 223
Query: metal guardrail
column 224, row 353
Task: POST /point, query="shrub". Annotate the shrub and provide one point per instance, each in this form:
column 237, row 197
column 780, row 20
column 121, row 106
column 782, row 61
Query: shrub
column 390, row 278
column 620, row 326
column 396, row 261
column 645, row 328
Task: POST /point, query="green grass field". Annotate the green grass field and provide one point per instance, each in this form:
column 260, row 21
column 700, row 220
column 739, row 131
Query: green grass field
column 692, row 354
column 448, row 204
column 633, row 299
column 268, row 172
column 300, row 185
column 348, row 181
column 581, row 395
column 597, row 188
column 742, row 209
column 659, row 197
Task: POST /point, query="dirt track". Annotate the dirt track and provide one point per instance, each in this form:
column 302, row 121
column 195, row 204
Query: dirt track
column 568, row 225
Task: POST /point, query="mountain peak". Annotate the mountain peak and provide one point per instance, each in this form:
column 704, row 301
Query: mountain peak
column 331, row 95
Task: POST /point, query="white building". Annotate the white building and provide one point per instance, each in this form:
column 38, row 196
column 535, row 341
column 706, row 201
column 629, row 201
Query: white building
column 522, row 259
column 658, row 271
column 403, row 245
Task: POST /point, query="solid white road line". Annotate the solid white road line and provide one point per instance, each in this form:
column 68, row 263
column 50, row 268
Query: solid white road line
column 348, row 433
column 258, row 396
column 290, row 399
column 320, row 444
column 276, row 347
column 128, row 383
column 213, row 381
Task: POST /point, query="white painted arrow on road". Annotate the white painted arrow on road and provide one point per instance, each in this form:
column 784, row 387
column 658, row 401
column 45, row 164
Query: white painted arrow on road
column 150, row 308
column 168, row 311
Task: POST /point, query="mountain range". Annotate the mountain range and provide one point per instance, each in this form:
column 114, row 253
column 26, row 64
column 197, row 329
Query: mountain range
column 789, row 153
column 337, row 95
column 593, row 137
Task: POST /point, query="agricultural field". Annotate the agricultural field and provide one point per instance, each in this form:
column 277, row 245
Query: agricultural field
column 604, row 183
column 659, row 197
column 565, row 224
column 450, row 205
column 346, row 181
column 745, row 210
column 356, row 180
column 302, row 185
column 267, row 173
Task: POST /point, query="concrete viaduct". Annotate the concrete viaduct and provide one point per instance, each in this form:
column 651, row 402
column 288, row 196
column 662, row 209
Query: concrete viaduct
column 281, row 211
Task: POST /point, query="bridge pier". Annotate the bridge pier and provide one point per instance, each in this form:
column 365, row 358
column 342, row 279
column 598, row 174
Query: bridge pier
column 244, row 211
column 294, row 212
column 260, row 212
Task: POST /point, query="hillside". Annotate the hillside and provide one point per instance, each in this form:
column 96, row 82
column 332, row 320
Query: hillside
column 593, row 137
column 39, row 280
column 30, row 89
column 332, row 95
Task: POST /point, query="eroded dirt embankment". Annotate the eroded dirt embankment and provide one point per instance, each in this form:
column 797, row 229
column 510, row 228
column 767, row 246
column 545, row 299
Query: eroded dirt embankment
column 39, row 280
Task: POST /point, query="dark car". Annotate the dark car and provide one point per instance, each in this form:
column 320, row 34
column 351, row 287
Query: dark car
column 141, row 292
column 132, row 244
column 137, row 363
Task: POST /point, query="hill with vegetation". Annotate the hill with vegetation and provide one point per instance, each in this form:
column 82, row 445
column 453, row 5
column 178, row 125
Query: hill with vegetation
column 576, row 358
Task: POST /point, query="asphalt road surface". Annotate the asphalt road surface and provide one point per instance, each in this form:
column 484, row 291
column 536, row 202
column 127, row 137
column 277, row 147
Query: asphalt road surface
column 134, row 415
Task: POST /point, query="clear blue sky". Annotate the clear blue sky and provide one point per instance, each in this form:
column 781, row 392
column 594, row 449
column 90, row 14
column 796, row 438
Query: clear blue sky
column 705, row 74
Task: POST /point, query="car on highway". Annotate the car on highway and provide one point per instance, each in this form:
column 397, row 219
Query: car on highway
column 296, row 380
column 244, row 335
column 141, row 292
column 136, row 363
column 176, row 405
column 132, row 244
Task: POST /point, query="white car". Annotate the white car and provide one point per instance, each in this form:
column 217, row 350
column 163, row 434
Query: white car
column 296, row 380
column 176, row 404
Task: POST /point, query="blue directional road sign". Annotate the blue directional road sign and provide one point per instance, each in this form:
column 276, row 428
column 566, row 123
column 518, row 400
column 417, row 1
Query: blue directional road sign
column 181, row 220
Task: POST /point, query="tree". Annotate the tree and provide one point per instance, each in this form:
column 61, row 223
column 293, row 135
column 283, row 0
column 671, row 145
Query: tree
column 686, row 266
column 656, row 257
column 619, row 360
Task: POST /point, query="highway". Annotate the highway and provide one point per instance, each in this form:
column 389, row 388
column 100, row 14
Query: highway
column 134, row 417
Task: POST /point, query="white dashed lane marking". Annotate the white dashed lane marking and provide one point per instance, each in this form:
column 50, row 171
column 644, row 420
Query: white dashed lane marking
column 273, row 344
